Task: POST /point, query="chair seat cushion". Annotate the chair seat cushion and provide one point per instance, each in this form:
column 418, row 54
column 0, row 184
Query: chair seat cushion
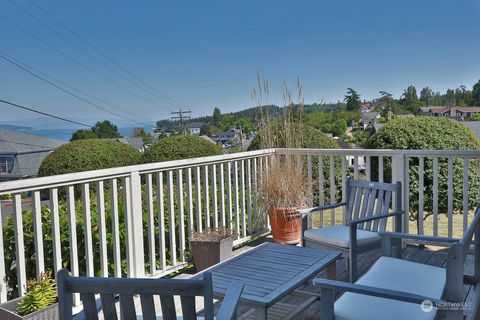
column 393, row 274
column 339, row 236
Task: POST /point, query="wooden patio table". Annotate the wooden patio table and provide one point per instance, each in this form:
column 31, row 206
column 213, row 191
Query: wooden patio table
column 270, row 272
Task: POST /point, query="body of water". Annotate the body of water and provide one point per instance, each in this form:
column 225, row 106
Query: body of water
column 66, row 134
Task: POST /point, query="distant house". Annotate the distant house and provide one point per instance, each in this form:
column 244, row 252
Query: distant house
column 368, row 119
column 226, row 138
column 367, row 107
column 135, row 142
column 194, row 128
column 21, row 154
column 445, row 111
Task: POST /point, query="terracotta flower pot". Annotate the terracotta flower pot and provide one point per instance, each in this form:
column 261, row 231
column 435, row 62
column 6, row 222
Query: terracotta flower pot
column 286, row 224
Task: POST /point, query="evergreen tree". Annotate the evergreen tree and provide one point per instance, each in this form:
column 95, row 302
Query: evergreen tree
column 352, row 98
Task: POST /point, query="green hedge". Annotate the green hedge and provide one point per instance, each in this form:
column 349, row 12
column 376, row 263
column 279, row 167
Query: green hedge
column 90, row 154
column 180, row 147
column 430, row 133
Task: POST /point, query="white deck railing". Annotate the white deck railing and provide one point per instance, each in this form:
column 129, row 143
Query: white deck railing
column 99, row 219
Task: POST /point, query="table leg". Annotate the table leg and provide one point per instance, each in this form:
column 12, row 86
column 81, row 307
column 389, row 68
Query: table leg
column 332, row 270
column 261, row 313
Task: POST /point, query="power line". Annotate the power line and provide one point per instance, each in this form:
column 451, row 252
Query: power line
column 65, row 90
column 84, row 51
column 44, row 113
column 77, row 62
column 104, row 55
column 26, row 144
column 181, row 117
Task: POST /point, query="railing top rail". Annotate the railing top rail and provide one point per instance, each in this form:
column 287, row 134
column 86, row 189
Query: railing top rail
column 382, row 152
column 17, row 186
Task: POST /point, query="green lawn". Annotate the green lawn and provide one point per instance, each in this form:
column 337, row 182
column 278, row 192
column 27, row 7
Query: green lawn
column 427, row 223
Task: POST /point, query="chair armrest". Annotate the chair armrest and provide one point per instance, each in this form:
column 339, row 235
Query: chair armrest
column 373, row 291
column 397, row 235
column 228, row 309
column 307, row 211
column 380, row 216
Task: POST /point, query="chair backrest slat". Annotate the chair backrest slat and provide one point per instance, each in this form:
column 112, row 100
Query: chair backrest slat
column 127, row 306
column 168, row 308
column 367, row 199
column 371, row 207
column 108, row 306
column 386, row 206
column 148, row 306
column 358, row 201
column 188, row 307
column 89, row 305
column 208, row 294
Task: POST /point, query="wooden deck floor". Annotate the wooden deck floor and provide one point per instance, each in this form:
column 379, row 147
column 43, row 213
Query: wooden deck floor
column 434, row 256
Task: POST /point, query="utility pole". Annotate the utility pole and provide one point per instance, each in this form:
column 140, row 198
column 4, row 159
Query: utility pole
column 181, row 117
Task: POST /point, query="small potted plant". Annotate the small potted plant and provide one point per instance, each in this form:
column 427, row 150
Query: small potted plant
column 210, row 246
column 40, row 301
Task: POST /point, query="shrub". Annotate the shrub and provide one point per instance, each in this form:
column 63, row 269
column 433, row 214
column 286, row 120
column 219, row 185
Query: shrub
column 91, row 154
column 41, row 293
column 180, row 147
column 429, row 133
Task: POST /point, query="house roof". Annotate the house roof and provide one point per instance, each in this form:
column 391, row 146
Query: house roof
column 136, row 142
column 29, row 151
column 12, row 142
column 195, row 125
column 369, row 116
column 442, row 109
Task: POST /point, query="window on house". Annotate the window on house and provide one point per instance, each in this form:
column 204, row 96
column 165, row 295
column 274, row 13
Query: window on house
column 6, row 164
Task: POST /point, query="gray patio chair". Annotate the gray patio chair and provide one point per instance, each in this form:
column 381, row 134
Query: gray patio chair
column 397, row 289
column 367, row 210
column 109, row 288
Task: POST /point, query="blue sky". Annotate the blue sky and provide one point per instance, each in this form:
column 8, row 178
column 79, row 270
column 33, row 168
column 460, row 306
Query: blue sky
column 206, row 53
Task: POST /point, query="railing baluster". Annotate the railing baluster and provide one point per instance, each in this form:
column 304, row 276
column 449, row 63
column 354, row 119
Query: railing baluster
column 190, row 201
column 368, row 168
column 406, row 195
column 450, row 197
column 242, row 203
column 380, row 168
column 321, row 189
column 117, row 259
column 72, row 234
column 181, row 220
column 3, row 283
column 198, row 198
column 206, row 196
column 256, row 212
column 55, row 216
column 355, row 167
column 465, row 194
column 249, row 196
column 171, row 224
column 87, row 227
column 229, row 195
column 309, row 180
column 435, row 196
column 161, row 222
column 421, row 169
column 38, row 232
column 222, row 194
column 19, row 244
column 214, row 196
column 332, row 188
column 236, row 198
column 102, row 229
column 344, row 189
column 150, row 224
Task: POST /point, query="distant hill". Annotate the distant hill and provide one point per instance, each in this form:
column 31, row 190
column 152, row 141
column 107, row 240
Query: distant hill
column 14, row 128
column 251, row 113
